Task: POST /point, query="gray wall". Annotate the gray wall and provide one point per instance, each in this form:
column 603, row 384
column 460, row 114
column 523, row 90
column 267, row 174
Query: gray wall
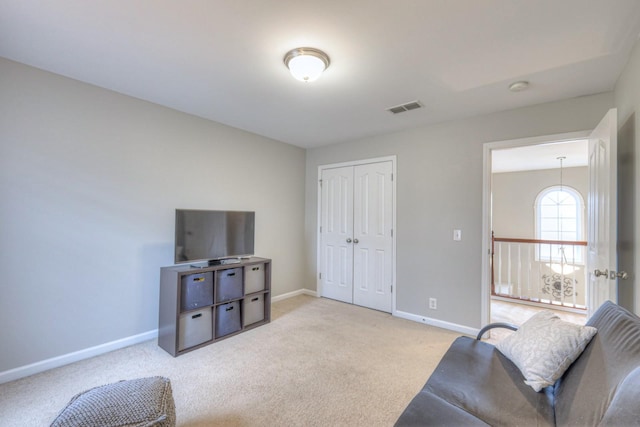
column 514, row 196
column 627, row 100
column 89, row 183
column 439, row 186
column 89, row 180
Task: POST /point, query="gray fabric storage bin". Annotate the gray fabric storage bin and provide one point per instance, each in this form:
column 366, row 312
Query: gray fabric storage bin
column 253, row 310
column 196, row 290
column 228, row 319
column 253, row 278
column 229, row 284
column 195, row 328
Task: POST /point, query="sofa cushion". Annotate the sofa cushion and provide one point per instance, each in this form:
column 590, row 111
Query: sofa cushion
column 139, row 402
column 544, row 347
column 475, row 378
column 428, row 409
column 623, row 409
column 598, row 386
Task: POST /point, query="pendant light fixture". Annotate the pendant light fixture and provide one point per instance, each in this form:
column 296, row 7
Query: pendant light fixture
column 560, row 200
column 306, row 63
column 562, row 268
column 561, row 158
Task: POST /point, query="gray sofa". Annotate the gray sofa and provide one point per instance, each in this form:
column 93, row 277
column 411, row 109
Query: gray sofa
column 475, row 385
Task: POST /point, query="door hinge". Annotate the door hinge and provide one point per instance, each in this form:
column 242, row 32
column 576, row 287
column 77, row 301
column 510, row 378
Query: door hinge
column 391, row 177
column 320, row 181
column 320, row 276
column 392, row 232
column 321, row 229
column 391, row 288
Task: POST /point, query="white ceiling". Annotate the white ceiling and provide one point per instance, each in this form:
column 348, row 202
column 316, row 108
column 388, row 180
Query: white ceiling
column 222, row 59
column 535, row 157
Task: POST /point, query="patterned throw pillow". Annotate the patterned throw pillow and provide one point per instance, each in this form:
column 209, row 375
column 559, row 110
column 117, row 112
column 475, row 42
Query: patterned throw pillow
column 141, row 402
column 544, row 347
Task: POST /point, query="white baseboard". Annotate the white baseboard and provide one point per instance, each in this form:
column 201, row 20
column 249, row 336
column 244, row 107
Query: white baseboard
column 438, row 323
column 402, row 314
column 65, row 359
column 294, row 294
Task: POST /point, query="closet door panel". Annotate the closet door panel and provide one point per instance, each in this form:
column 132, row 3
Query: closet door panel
column 373, row 241
column 337, row 234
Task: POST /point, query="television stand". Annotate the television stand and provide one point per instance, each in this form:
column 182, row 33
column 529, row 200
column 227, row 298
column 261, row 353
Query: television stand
column 200, row 307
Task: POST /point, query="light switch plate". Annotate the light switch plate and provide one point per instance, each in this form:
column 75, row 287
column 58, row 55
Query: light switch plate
column 457, row 235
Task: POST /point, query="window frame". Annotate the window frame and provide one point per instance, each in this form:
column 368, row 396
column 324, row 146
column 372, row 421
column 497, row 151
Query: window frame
column 579, row 253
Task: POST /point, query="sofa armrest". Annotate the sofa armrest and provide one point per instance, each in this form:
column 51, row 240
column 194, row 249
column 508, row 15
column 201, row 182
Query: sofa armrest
column 496, row 325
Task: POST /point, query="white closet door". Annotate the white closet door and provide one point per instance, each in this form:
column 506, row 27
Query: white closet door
column 356, row 234
column 372, row 241
column 337, row 233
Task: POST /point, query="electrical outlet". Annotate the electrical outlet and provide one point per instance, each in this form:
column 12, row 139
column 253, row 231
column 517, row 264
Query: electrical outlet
column 433, row 303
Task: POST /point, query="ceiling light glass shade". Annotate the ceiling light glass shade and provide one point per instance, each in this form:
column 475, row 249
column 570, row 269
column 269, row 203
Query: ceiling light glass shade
column 306, row 63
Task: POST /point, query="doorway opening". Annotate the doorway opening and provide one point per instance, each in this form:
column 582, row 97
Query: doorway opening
column 536, row 215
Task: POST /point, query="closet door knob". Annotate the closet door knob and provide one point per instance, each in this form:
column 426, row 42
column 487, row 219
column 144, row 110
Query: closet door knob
column 356, row 241
column 349, row 240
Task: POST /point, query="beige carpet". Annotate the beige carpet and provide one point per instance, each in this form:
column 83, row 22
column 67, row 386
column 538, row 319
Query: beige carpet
column 318, row 363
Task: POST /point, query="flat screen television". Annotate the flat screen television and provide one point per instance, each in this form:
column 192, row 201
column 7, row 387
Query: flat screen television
column 203, row 235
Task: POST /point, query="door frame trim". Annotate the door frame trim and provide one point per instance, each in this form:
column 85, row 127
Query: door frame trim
column 487, row 147
column 393, row 159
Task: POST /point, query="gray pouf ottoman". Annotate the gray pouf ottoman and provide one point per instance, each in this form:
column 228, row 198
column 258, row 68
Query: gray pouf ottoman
column 138, row 402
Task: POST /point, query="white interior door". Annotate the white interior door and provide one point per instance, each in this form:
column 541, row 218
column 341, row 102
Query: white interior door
column 373, row 242
column 602, row 218
column 337, row 234
column 356, row 234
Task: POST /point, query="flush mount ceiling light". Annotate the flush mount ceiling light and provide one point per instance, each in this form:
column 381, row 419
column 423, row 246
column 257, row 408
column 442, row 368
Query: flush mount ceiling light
column 518, row 86
column 306, row 63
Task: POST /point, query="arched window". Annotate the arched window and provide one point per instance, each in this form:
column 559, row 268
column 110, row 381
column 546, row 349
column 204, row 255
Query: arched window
column 560, row 216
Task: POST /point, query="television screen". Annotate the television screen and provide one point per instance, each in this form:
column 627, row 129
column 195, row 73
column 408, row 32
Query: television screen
column 203, row 235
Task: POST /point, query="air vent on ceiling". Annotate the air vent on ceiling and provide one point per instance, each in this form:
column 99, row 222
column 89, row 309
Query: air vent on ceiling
column 405, row 107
